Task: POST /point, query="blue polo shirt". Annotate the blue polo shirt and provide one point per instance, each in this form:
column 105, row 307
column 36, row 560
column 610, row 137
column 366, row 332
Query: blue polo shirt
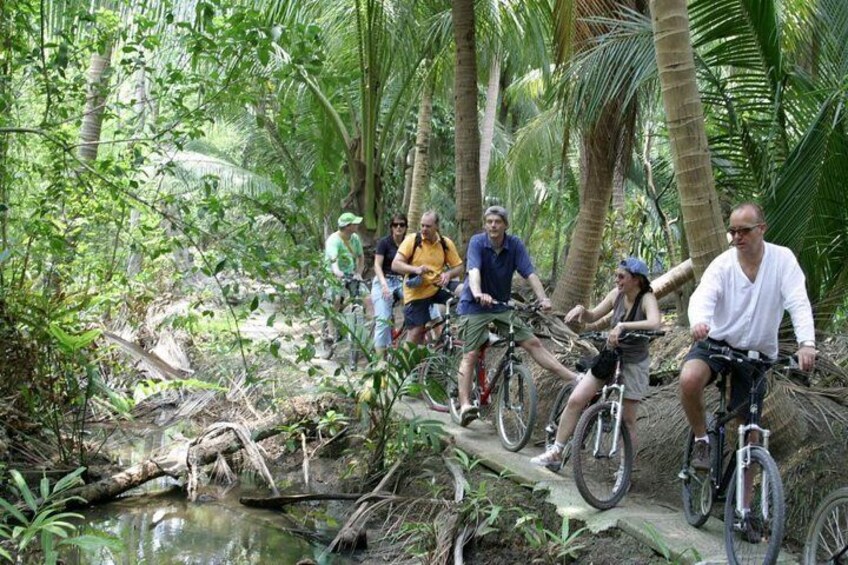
column 496, row 271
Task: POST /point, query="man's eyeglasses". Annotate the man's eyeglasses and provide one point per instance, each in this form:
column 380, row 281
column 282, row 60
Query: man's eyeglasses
column 742, row 231
column 394, row 225
column 427, row 225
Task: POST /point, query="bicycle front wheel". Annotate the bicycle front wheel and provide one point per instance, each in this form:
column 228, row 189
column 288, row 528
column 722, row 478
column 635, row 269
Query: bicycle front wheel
column 437, row 376
column 602, row 467
column 827, row 538
column 697, row 490
column 515, row 412
column 755, row 536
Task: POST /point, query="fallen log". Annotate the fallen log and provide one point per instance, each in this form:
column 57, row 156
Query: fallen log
column 278, row 502
column 172, row 460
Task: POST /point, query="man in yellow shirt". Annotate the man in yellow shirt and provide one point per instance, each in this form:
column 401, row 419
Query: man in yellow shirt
column 429, row 260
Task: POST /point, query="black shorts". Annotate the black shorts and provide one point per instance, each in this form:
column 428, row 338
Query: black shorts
column 417, row 312
column 742, row 377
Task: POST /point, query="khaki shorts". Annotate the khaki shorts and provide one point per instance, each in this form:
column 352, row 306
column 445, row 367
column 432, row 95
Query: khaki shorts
column 474, row 329
column 635, row 377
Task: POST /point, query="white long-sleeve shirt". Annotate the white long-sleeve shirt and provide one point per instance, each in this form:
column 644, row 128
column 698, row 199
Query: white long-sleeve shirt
column 747, row 314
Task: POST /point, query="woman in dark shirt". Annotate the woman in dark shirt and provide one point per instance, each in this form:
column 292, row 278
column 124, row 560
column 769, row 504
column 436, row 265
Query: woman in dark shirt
column 386, row 283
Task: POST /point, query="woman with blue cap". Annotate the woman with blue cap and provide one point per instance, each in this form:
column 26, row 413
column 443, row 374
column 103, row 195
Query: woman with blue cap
column 634, row 307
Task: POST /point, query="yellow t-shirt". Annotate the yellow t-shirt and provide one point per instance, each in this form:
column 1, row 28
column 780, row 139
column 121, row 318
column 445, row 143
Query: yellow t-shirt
column 432, row 255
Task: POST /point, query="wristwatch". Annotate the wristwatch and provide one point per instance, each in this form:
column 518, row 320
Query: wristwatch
column 807, row 343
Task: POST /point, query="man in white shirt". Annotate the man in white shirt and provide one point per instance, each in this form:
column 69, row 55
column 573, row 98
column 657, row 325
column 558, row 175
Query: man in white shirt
column 740, row 302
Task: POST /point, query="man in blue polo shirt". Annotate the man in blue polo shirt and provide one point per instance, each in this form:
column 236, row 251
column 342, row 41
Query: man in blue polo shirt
column 492, row 258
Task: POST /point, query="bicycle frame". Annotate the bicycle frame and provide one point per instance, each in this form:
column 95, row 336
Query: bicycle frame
column 613, row 393
column 488, row 383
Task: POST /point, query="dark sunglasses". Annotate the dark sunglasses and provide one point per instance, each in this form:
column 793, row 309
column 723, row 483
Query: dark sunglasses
column 394, row 225
column 742, row 231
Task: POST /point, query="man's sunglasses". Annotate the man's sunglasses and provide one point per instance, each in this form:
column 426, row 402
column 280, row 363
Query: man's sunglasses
column 394, row 225
column 742, row 231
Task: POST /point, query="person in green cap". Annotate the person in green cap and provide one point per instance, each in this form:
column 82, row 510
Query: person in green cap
column 345, row 257
column 343, row 249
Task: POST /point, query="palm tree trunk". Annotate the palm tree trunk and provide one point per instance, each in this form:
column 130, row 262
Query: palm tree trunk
column 468, row 202
column 408, row 169
column 489, row 117
column 95, row 103
column 687, row 134
column 421, row 168
column 598, row 159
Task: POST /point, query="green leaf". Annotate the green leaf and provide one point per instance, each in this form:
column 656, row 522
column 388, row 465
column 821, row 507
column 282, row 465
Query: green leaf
column 95, row 541
column 220, row 266
column 254, row 304
column 72, row 343
column 23, row 490
column 69, row 480
column 10, row 508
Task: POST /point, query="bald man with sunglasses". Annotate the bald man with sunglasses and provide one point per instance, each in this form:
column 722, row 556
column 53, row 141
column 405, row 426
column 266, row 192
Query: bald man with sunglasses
column 740, row 303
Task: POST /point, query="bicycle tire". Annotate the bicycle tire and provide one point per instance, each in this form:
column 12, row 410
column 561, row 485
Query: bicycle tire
column 516, row 408
column 596, row 476
column 766, row 550
column 555, row 413
column 437, row 376
column 355, row 331
column 827, row 536
column 697, row 489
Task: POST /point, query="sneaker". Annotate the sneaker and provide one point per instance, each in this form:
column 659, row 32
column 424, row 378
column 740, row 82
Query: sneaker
column 552, row 459
column 700, row 456
column 467, row 415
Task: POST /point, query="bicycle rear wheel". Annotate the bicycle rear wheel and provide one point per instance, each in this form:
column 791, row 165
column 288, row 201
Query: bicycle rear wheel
column 556, row 411
column 697, row 490
column 515, row 412
column 756, row 538
column 827, row 538
column 601, row 476
column 437, row 376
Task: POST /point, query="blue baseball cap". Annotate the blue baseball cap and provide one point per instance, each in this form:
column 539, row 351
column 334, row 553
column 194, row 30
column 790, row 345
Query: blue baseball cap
column 634, row 266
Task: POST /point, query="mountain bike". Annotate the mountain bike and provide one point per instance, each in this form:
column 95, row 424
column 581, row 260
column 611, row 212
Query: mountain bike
column 753, row 529
column 350, row 327
column 511, row 386
column 601, row 447
column 827, row 536
column 438, row 373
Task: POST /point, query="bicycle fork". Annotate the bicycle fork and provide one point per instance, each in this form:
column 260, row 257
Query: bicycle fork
column 616, row 417
column 743, row 459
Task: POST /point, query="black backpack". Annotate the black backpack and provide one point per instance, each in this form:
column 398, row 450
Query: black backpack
column 442, row 240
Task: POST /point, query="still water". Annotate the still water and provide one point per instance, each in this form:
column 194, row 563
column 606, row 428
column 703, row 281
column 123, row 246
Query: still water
column 170, row 530
column 159, row 526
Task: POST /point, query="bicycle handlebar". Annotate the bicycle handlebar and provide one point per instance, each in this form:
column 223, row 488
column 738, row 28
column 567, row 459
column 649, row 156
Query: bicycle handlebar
column 513, row 305
column 737, row 356
column 625, row 336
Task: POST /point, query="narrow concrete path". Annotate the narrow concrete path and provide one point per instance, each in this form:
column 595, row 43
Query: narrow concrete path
column 662, row 528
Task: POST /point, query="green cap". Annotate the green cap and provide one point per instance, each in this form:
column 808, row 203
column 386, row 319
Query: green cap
column 349, row 218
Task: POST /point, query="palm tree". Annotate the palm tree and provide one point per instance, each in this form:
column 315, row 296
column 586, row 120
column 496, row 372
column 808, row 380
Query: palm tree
column 468, row 199
column 604, row 138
